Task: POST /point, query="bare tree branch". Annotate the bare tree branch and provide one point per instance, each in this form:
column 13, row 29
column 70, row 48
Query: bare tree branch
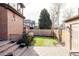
column 68, row 13
column 55, row 17
column 56, row 13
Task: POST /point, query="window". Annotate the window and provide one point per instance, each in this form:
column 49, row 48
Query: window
column 13, row 16
column 19, row 9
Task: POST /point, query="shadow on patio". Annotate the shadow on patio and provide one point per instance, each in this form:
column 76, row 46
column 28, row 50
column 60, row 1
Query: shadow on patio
column 30, row 52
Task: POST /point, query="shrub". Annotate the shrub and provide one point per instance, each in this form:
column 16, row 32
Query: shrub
column 22, row 45
column 26, row 39
column 30, row 37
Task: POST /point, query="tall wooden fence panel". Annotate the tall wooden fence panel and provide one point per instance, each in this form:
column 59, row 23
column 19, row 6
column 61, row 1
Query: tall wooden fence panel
column 44, row 32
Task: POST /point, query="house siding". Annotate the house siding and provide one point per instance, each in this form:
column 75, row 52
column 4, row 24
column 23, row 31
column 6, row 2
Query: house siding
column 15, row 24
column 67, row 33
column 11, row 23
column 3, row 23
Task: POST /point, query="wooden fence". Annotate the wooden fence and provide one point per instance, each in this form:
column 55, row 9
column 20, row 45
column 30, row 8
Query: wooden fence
column 42, row 32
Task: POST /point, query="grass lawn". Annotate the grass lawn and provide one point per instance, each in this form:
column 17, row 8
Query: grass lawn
column 44, row 41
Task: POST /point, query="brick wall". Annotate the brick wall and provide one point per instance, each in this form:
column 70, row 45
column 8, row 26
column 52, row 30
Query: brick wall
column 15, row 24
column 10, row 23
column 3, row 23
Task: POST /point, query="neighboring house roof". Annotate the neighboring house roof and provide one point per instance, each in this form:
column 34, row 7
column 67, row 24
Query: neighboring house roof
column 72, row 18
column 29, row 23
column 12, row 9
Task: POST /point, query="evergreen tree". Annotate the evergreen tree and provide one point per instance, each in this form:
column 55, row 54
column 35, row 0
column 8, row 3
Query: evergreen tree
column 45, row 21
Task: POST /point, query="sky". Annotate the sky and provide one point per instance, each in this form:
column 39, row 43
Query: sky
column 32, row 10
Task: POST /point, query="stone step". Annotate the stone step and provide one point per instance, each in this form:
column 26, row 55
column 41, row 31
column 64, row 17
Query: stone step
column 7, row 46
column 19, row 51
column 74, row 53
column 10, row 50
column 2, row 43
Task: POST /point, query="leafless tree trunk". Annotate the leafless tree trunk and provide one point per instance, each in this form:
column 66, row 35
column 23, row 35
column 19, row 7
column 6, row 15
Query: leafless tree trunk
column 55, row 12
column 55, row 16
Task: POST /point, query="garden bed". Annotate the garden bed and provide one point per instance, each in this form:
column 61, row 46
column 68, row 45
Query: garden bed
column 44, row 41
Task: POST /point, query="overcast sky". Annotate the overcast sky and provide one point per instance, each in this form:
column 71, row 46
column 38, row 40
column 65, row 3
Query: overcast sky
column 32, row 10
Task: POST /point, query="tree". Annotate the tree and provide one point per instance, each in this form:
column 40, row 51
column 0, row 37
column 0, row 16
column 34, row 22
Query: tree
column 44, row 20
column 55, row 17
column 68, row 13
column 56, row 14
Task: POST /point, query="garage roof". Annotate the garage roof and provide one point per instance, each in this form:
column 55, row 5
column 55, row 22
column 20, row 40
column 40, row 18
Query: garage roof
column 72, row 18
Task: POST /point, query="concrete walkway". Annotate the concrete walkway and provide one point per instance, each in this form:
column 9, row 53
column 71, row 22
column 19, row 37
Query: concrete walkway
column 46, row 51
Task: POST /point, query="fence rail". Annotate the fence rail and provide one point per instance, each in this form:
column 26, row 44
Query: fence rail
column 44, row 32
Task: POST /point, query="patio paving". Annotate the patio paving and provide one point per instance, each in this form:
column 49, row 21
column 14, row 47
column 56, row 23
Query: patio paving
column 46, row 51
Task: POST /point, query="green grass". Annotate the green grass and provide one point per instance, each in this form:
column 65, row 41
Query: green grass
column 44, row 41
